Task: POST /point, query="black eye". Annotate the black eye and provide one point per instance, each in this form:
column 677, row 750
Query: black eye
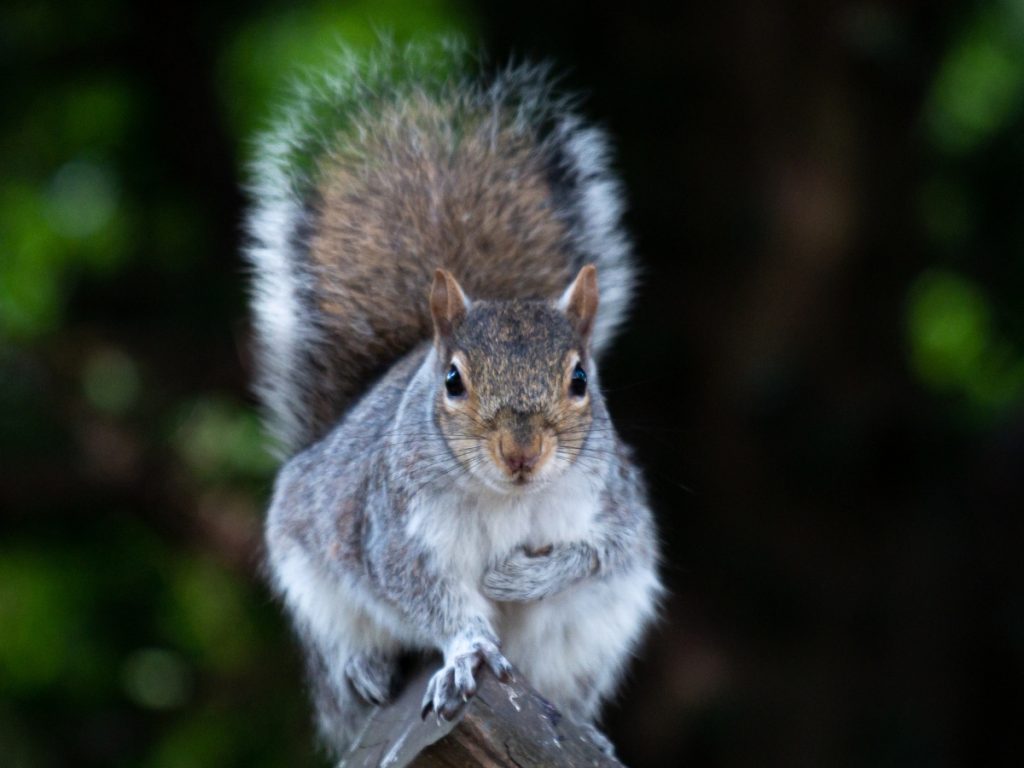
column 453, row 382
column 578, row 381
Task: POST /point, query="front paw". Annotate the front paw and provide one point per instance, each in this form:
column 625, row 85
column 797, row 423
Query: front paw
column 526, row 576
column 454, row 684
column 516, row 579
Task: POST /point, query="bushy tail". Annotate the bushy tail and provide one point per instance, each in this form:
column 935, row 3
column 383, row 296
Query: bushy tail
column 389, row 167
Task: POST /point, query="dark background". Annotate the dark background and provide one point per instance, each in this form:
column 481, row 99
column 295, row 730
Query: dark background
column 824, row 375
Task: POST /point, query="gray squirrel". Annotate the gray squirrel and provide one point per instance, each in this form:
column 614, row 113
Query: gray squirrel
column 437, row 263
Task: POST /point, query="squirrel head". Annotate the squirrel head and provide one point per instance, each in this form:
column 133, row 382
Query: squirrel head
column 514, row 396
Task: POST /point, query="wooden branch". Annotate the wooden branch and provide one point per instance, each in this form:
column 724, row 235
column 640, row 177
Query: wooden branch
column 503, row 726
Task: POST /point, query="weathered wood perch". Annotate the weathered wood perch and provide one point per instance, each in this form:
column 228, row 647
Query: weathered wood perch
column 503, row 726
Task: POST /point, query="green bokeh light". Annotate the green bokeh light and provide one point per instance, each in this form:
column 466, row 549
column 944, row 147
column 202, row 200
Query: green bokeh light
column 156, row 678
column 954, row 345
column 220, row 440
column 209, row 615
column 43, row 615
column 980, row 84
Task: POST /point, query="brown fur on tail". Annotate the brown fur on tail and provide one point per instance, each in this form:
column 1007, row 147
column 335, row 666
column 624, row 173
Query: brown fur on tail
column 414, row 197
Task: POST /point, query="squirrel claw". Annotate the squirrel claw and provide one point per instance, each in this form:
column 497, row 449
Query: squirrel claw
column 452, row 686
column 498, row 664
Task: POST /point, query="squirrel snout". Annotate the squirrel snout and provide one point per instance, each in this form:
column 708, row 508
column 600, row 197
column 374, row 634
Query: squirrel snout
column 519, row 458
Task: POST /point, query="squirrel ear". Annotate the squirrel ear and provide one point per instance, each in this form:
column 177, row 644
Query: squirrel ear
column 448, row 303
column 579, row 302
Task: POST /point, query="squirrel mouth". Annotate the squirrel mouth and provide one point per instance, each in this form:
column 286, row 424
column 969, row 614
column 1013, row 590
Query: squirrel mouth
column 527, row 480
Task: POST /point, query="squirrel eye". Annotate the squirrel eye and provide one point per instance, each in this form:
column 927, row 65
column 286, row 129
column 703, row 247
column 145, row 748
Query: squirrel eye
column 453, row 382
column 578, row 381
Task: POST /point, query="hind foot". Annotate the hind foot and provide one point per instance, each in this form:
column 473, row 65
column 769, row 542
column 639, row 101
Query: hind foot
column 372, row 675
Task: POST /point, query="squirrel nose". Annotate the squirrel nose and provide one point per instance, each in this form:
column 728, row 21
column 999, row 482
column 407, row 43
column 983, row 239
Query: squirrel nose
column 518, row 457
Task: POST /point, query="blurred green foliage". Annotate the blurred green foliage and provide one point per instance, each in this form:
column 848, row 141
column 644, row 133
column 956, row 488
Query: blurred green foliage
column 957, row 345
column 61, row 202
column 979, row 88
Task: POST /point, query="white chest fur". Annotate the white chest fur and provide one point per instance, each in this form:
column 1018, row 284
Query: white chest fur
column 469, row 527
